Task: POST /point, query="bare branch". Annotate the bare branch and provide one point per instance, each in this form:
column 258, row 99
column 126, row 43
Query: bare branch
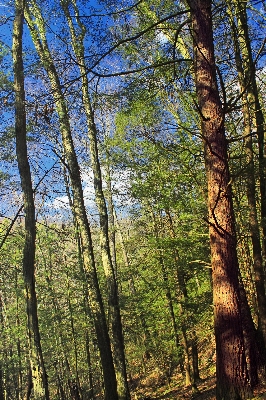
column 156, row 65
column 138, row 35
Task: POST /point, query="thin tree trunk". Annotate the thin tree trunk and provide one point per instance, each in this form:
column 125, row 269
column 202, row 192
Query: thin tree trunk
column 29, row 386
column 241, row 42
column 195, row 357
column 111, row 212
column 1, row 383
column 187, row 368
column 72, row 382
column 19, row 366
column 231, row 367
column 39, row 377
column 78, row 391
column 91, row 388
column 58, row 331
column 147, row 335
column 166, row 281
column 182, row 297
column 255, row 106
column 181, row 284
column 246, row 260
column 253, row 219
column 37, row 28
column 60, row 388
column 85, row 289
column 117, row 338
column 252, row 347
column 2, row 396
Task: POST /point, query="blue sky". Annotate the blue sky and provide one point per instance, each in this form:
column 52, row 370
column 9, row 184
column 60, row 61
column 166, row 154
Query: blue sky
column 40, row 156
column 6, row 14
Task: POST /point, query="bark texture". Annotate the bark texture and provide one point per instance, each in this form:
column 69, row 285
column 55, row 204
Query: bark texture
column 39, row 377
column 36, row 24
column 253, row 123
column 231, row 367
column 116, row 331
column 258, row 268
column 254, row 103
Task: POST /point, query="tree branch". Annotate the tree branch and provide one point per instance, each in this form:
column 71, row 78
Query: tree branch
column 138, row 35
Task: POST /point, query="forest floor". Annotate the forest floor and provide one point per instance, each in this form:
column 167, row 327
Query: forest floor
column 173, row 392
column 206, row 392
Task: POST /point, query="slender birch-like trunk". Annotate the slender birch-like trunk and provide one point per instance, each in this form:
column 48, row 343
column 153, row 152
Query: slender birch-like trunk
column 253, row 120
column 36, row 25
column 39, row 377
column 116, row 332
column 251, row 188
column 254, row 103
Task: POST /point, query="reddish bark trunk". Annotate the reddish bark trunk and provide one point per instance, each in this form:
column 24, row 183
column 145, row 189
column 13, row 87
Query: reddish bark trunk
column 231, row 367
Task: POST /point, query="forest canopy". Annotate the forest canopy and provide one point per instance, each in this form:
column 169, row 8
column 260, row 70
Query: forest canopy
column 133, row 199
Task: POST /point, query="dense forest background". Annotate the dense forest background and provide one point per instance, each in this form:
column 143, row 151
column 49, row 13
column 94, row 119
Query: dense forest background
column 133, row 199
